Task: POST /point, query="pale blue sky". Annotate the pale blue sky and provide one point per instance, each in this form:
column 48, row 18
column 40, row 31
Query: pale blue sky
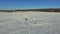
column 25, row 4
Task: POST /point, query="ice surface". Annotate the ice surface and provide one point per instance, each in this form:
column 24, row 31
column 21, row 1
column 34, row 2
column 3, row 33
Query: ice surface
column 37, row 23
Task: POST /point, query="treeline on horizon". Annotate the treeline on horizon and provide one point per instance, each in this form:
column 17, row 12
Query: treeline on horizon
column 38, row 10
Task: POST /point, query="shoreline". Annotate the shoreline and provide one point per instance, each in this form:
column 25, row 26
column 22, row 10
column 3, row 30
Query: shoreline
column 34, row 10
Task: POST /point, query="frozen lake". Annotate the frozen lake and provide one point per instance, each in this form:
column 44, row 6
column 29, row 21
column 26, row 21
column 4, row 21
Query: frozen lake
column 29, row 23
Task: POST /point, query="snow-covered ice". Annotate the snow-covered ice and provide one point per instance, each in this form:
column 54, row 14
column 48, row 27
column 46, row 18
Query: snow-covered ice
column 36, row 23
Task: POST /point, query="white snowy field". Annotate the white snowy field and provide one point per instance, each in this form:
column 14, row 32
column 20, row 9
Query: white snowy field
column 35, row 23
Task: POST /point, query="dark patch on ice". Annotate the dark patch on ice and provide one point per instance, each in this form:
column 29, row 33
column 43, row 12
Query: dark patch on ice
column 26, row 19
column 35, row 23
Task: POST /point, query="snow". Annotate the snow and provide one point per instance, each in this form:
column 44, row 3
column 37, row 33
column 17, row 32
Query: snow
column 37, row 23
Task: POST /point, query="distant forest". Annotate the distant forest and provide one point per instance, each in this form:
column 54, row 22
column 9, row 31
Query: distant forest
column 38, row 10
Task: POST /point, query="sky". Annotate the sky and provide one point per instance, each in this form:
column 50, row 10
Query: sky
column 29, row 4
